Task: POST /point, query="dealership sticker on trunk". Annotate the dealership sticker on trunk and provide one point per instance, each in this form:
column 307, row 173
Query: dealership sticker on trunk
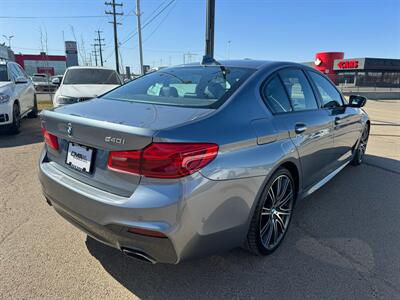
column 79, row 157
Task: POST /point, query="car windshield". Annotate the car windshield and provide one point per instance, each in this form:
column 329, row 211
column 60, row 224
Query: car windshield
column 91, row 76
column 197, row 86
column 3, row 73
column 39, row 79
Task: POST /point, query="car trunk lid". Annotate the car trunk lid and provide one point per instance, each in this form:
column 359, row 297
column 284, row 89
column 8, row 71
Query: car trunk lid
column 101, row 137
column 108, row 125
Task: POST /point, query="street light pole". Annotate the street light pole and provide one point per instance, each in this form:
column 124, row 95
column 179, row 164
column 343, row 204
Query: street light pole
column 9, row 39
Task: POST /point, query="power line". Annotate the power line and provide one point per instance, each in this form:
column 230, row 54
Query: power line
column 159, row 24
column 148, row 22
column 59, row 17
column 113, row 4
column 151, row 14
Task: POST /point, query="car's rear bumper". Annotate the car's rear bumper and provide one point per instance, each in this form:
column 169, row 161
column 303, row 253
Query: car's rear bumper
column 198, row 216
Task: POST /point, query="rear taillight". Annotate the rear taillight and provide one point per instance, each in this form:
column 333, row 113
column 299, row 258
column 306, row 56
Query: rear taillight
column 50, row 139
column 164, row 160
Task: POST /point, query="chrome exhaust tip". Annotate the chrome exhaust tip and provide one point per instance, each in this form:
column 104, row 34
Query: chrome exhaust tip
column 132, row 253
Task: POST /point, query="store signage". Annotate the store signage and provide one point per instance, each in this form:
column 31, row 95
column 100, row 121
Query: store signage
column 70, row 47
column 348, row 64
column 317, row 61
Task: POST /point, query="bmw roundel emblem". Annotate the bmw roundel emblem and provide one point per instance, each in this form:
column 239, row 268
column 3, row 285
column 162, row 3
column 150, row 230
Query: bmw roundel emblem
column 69, row 129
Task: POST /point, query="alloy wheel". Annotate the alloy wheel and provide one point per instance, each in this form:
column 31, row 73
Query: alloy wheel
column 17, row 116
column 276, row 212
column 363, row 144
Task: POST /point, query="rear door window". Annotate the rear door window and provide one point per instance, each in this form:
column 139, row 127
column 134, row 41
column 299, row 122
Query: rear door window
column 298, row 90
column 275, row 96
column 329, row 95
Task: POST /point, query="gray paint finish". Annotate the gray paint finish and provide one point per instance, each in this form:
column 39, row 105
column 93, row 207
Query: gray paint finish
column 209, row 210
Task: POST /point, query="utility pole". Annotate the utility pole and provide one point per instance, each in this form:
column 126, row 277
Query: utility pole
column 95, row 54
column 115, row 23
column 139, row 30
column 90, row 59
column 99, row 43
column 189, row 55
column 210, row 17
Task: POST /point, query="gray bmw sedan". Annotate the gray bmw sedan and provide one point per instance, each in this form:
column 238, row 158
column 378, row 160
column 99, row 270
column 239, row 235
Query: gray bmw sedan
column 195, row 159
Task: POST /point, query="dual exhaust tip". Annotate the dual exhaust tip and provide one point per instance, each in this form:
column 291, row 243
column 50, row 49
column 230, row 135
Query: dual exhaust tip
column 139, row 255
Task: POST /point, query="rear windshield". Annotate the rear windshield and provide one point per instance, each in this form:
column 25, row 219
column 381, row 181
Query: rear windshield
column 196, row 86
column 91, row 76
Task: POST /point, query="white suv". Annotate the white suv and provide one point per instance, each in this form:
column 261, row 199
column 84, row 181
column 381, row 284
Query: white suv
column 17, row 96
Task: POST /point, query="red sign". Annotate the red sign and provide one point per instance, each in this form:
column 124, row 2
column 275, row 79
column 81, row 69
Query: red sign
column 46, row 70
column 348, row 64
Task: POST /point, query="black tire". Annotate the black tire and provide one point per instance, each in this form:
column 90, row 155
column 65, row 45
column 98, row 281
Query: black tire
column 359, row 152
column 268, row 213
column 15, row 126
column 34, row 112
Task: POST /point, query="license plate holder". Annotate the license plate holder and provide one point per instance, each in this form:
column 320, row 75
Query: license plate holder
column 79, row 157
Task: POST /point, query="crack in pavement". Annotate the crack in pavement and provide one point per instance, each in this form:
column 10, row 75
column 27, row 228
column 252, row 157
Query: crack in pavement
column 367, row 275
column 12, row 231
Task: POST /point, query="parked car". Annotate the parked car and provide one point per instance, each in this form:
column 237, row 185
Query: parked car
column 84, row 83
column 17, row 97
column 43, row 83
column 192, row 160
column 57, row 79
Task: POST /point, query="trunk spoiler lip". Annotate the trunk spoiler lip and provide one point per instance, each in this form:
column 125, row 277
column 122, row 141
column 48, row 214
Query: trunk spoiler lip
column 67, row 118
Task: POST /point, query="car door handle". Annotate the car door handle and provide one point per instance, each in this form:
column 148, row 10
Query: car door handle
column 338, row 121
column 300, row 128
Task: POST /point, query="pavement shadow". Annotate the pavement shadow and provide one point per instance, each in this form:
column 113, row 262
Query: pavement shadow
column 30, row 134
column 342, row 243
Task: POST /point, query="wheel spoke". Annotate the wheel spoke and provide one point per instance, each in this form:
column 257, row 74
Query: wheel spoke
column 285, row 200
column 265, row 227
column 271, row 195
column 278, row 187
column 276, row 230
column 266, row 237
column 281, row 222
column 283, row 189
column 265, row 211
column 283, row 212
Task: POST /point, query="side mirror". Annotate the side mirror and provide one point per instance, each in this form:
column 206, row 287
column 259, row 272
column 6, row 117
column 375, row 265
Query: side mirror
column 56, row 81
column 21, row 80
column 357, row 101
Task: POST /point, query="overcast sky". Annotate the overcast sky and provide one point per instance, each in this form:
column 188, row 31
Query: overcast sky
column 291, row 30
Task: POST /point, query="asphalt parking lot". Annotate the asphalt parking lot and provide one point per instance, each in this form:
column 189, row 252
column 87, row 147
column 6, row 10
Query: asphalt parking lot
column 343, row 243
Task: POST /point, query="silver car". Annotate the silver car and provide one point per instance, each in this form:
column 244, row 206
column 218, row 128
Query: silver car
column 195, row 159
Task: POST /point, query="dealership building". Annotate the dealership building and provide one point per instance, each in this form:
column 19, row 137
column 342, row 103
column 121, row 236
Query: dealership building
column 366, row 71
column 42, row 63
